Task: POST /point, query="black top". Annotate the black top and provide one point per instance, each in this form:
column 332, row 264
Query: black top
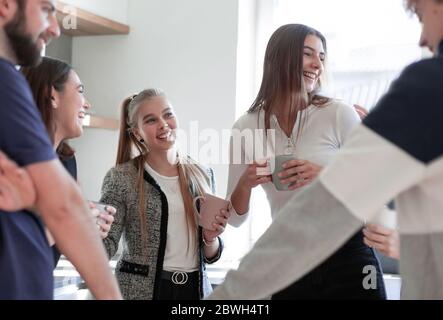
column 70, row 165
column 410, row 115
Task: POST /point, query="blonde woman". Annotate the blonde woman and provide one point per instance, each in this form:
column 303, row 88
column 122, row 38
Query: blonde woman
column 164, row 251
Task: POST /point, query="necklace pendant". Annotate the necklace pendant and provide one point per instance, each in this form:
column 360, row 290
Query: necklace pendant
column 289, row 150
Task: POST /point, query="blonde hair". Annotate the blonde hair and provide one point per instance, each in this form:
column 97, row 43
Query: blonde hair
column 190, row 172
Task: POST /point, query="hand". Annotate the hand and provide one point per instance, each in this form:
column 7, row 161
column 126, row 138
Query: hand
column 298, row 173
column 16, row 187
column 383, row 239
column 104, row 220
column 219, row 226
column 362, row 112
column 250, row 179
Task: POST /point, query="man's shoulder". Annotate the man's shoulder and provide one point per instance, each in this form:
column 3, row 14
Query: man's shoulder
column 434, row 62
column 6, row 66
column 410, row 114
column 14, row 89
column 426, row 71
column 417, row 87
column 10, row 76
column 23, row 136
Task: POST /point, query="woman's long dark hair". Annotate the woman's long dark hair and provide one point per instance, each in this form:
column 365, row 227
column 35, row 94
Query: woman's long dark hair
column 283, row 74
column 50, row 73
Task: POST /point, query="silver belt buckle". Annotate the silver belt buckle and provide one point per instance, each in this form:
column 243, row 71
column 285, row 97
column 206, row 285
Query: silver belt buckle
column 179, row 277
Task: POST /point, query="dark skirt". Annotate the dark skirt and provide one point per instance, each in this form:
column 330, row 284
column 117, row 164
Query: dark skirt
column 177, row 286
column 351, row 273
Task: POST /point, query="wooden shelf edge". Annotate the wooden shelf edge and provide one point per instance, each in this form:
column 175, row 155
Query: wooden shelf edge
column 101, row 123
column 87, row 23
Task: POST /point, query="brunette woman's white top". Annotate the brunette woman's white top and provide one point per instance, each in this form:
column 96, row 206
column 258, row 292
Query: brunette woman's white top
column 178, row 257
column 324, row 132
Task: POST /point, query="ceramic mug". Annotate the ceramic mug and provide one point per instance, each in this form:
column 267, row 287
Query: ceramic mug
column 277, row 166
column 210, row 207
column 264, row 171
column 386, row 218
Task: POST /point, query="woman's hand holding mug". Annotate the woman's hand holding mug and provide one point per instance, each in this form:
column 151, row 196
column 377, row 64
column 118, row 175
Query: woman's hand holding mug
column 213, row 214
column 219, row 226
column 298, row 173
column 256, row 174
column 104, row 215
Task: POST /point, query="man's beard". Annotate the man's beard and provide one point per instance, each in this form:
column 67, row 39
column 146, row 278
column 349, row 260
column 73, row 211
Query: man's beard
column 22, row 44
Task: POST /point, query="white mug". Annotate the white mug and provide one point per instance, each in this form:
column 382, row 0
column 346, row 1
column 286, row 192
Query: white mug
column 386, row 218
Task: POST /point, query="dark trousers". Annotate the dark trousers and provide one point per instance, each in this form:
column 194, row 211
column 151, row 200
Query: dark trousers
column 173, row 291
column 342, row 276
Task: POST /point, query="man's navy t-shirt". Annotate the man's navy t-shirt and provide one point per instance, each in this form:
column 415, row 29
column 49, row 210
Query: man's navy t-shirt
column 26, row 261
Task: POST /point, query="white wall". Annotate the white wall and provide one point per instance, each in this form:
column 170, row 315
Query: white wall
column 187, row 48
column 112, row 9
column 246, row 50
column 96, row 153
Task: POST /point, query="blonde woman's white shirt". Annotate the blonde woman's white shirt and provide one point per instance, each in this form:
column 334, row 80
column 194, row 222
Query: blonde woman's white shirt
column 177, row 257
column 324, row 131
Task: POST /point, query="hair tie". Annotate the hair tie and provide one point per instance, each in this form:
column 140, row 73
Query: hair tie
column 133, row 97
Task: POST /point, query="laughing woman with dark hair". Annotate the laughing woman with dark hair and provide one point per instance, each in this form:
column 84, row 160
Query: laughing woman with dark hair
column 59, row 95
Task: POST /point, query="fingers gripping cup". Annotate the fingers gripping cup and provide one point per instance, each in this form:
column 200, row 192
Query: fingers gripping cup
column 102, row 209
column 277, row 167
column 265, row 167
column 210, row 207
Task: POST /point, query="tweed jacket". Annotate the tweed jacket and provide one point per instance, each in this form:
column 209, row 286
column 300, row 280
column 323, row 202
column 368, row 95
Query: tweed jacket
column 138, row 271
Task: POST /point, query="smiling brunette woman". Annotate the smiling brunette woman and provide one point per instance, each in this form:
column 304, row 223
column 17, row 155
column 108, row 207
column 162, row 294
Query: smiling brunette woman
column 310, row 128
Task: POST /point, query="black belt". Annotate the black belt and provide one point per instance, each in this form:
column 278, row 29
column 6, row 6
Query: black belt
column 178, row 277
column 134, row 268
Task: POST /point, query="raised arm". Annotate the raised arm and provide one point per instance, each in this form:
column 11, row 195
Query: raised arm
column 242, row 179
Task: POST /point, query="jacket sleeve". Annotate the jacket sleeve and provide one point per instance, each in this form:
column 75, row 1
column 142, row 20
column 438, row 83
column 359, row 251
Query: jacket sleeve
column 219, row 252
column 113, row 193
